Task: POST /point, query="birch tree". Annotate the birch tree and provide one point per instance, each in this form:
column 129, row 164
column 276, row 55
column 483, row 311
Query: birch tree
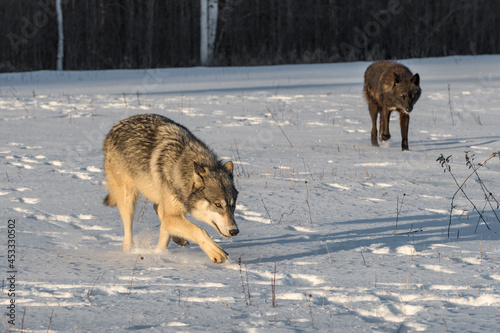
column 60, row 44
column 209, row 10
column 203, row 31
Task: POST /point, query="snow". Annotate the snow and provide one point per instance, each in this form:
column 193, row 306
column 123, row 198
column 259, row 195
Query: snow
column 353, row 236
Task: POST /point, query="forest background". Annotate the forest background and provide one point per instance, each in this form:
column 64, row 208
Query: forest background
column 122, row 34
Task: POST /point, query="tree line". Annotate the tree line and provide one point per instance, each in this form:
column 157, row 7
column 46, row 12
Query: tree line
column 118, row 34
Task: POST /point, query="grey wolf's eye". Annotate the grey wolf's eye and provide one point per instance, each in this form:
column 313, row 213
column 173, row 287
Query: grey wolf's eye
column 218, row 205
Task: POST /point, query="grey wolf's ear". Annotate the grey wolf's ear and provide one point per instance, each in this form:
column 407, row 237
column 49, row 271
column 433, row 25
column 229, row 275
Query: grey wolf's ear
column 229, row 166
column 415, row 79
column 199, row 173
column 396, row 78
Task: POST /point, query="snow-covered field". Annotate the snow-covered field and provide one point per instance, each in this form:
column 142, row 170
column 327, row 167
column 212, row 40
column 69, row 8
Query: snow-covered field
column 354, row 237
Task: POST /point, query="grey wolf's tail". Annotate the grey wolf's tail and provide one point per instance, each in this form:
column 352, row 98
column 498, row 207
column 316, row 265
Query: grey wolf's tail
column 110, row 200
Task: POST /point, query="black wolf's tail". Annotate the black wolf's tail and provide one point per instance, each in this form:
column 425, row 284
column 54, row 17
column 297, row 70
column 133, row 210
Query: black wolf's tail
column 110, row 200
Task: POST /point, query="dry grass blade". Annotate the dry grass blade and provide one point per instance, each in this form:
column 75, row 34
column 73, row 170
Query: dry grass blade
column 273, row 285
column 133, row 272
column 281, row 129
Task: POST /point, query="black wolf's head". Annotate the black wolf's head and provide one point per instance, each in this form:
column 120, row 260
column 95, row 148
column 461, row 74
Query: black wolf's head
column 213, row 200
column 405, row 92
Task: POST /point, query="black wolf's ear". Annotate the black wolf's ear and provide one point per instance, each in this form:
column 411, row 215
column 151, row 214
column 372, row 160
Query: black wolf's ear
column 229, row 166
column 199, row 173
column 397, row 79
column 415, row 79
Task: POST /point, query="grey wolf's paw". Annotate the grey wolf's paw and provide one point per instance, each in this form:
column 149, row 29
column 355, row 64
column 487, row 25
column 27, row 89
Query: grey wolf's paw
column 180, row 241
column 215, row 252
column 127, row 246
column 158, row 250
column 220, row 258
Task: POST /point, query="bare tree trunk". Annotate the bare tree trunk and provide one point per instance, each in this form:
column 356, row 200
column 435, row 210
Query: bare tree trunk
column 208, row 29
column 213, row 11
column 60, row 46
column 128, row 58
column 149, row 33
column 204, row 31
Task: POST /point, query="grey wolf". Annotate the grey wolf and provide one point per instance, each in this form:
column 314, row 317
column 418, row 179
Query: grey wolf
column 153, row 155
column 390, row 86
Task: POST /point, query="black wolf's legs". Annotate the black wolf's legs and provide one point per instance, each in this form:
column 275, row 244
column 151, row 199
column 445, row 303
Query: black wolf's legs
column 384, row 125
column 374, row 111
column 404, row 120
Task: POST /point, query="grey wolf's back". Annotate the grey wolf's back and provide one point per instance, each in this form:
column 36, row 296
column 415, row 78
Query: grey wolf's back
column 142, row 130
column 136, row 138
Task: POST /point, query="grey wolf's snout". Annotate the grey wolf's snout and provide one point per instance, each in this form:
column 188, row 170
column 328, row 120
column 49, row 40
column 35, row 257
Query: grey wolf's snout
column 233, row 232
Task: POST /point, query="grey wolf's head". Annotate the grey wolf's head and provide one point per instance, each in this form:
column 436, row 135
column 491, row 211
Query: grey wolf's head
column 213, row 199
column 405, row 92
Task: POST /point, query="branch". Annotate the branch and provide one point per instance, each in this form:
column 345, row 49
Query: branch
column 445, row 164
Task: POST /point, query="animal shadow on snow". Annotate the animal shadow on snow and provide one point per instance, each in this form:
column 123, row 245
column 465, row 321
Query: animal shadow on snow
column 463, row 143
column 418, row 231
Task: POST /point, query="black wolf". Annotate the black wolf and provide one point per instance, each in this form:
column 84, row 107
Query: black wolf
column 390, row 86
column 152, row 155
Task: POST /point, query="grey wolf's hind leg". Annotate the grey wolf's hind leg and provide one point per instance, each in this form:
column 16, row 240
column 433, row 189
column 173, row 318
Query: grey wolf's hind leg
column 122, row 193
column 126, row 207
column 177, row 240
column 180, row 241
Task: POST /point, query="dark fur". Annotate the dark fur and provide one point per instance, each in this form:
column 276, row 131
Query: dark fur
column 390, row 86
